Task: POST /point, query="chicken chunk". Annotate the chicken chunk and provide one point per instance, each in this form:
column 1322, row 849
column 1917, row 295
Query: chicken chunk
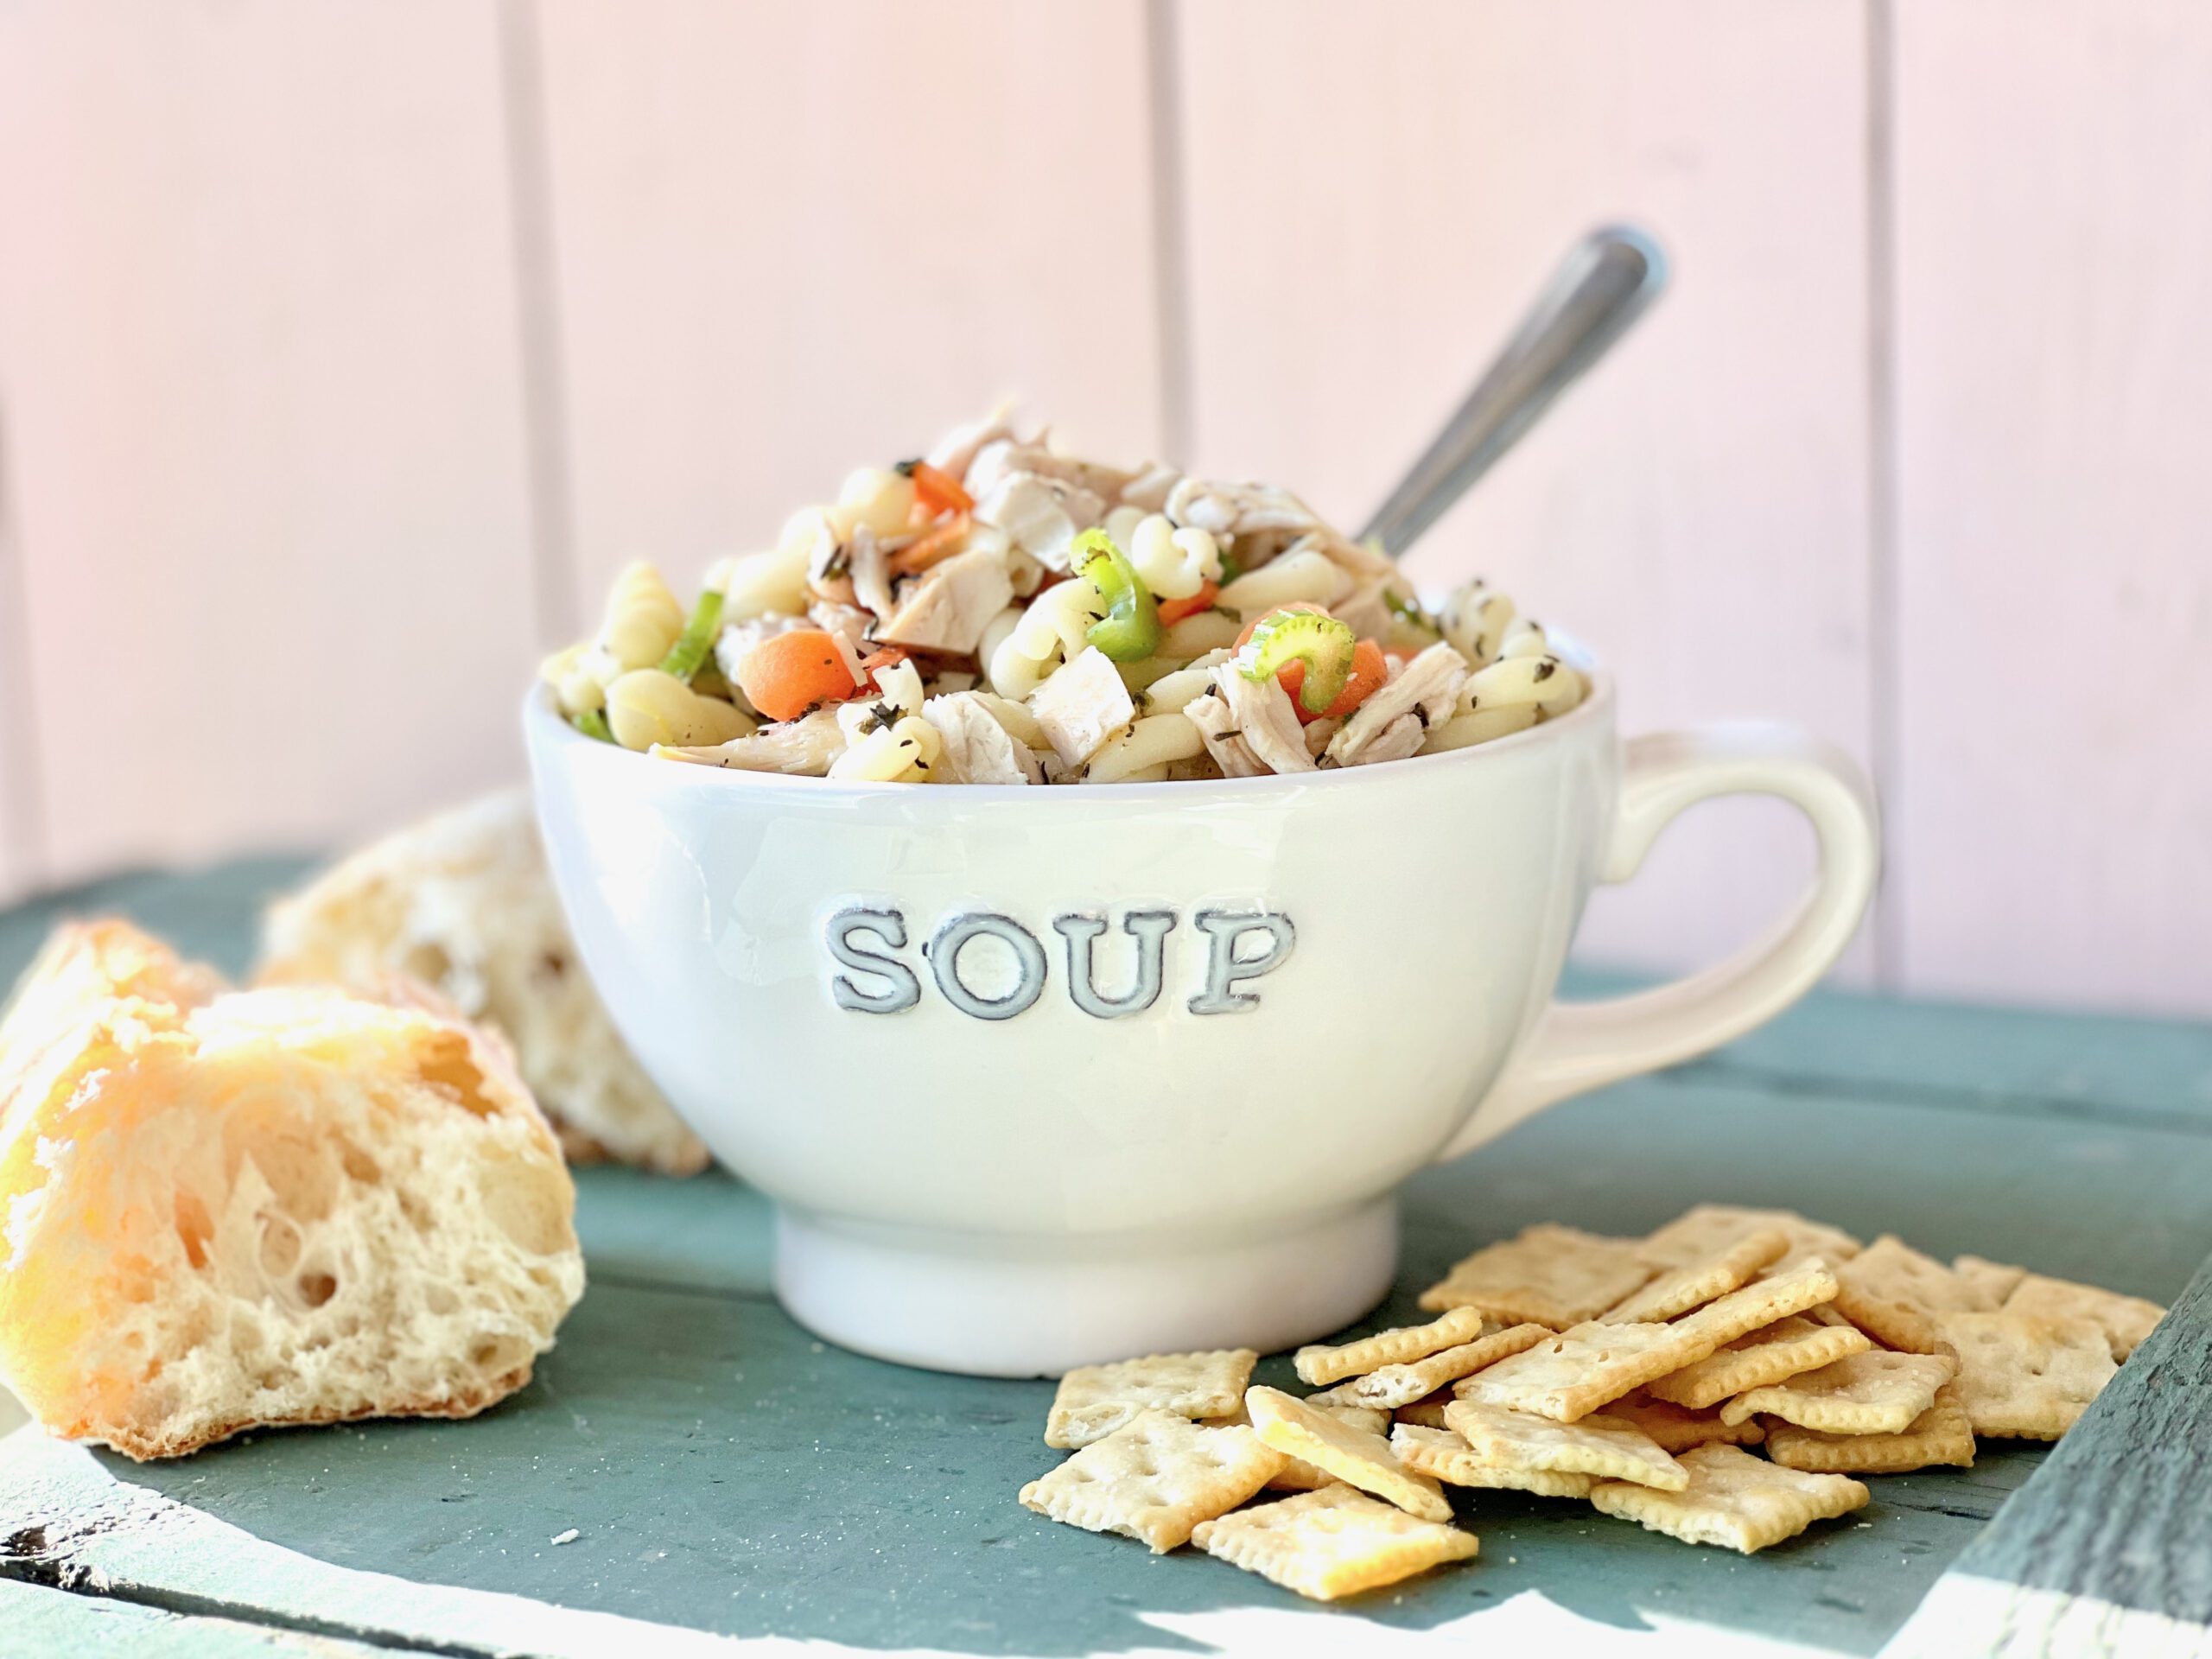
column 870, row 570
column 1263, row 710
column 1223, row 742
column 1258, row 520
column 805, row 748
column 955, row 452
column 1399, row 713
column 948, row 606
column 1149, row 489
column 1006, row 458
column 977, row 748
column 1082, row 705
column 1042, row 516
column 848, row 622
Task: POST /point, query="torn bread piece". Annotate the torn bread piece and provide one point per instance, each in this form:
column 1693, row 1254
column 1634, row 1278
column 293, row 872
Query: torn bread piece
column 1728, row 1268
column 1606, row 1447
column 1674, row 1429
column 1320, row 1364
column 2024, row 1378
column 1155, row 1477
column 1400, row 1385
column 232, row 1208
column 1873, row 1393
column 1733, row 1500
column 1793, row 1343
column 1093, row 1401
column 1892, row 1291
column 1332, row 1543
column 1555, row 1276
column 1351, row 1455
column 464, row 902
column 1939, row 1435
column 1444, row 1456
column 1707, row 1229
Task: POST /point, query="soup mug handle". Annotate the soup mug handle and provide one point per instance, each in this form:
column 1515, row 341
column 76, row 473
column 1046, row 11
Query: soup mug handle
column 1577, row 1046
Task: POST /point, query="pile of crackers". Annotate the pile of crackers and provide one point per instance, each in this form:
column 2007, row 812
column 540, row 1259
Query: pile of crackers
column 1629, row 1374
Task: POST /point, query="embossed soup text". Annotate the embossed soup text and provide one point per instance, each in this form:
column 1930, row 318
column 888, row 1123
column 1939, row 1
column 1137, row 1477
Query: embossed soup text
column 868, row 943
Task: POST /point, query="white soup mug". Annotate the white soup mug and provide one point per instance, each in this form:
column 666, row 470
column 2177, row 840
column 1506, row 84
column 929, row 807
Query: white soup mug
column 1038, row 1076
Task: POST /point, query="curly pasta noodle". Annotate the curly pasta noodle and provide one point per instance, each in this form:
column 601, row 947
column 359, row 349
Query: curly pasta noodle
column 926, row 615
column 1475, row 621
column 1048, row 632
column 763, row 584
column 1514, row 693
column 1175, row 689
column 1151, row 744
column 1174, row 564
column 1310, row 577
column 642, row 618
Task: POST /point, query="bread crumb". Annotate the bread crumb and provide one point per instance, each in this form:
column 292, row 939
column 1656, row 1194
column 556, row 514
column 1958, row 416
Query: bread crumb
column 567, row 1537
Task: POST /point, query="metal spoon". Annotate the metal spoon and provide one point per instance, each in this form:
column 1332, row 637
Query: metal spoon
column 1603, row 285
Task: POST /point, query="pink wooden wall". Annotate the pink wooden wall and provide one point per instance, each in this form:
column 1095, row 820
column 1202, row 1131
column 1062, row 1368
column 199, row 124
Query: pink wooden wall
column 344, row 350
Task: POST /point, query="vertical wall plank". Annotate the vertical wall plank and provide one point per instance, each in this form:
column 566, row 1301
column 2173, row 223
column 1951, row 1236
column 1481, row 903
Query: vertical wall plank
column 792, row 238
column 2055, row 383
column 257, row 365
column 22, row 860
column 1374, row 192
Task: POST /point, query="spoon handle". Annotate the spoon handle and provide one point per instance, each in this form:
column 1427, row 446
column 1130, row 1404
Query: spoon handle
column 1604, row 284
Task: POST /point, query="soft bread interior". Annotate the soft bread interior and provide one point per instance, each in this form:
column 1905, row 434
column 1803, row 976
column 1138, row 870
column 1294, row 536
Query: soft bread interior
column 463, row 902
column 272, row 1206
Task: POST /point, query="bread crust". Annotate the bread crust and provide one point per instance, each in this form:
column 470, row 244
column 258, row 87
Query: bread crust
column 272, row 1208
column 464, row 901
column 151, row 1449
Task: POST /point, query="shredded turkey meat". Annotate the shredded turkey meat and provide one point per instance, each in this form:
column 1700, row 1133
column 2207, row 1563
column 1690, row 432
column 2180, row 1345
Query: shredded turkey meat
column 1011, row 613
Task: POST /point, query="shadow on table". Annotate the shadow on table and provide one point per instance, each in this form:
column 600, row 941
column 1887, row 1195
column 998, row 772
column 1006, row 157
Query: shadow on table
column 724, row 1471
column 754, row 1486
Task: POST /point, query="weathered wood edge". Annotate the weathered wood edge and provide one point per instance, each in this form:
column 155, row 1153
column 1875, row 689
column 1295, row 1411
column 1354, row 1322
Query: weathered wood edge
column 34, row 1620
column 2107, row 1551
column 121, row 1542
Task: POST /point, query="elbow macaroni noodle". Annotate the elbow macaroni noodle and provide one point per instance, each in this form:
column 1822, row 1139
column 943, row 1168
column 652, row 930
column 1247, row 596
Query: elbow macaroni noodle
column 869, row 610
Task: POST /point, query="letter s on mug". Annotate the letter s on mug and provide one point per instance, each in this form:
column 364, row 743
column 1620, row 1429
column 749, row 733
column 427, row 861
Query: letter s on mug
column 902, row 989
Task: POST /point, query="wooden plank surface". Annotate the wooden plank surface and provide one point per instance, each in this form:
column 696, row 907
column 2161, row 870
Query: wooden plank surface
column 259, row 368
column 2053, row 244
column 792, row 238
column 2107, row 1554
column 720, row 1466
column 38, row 1621
column 1373, row 193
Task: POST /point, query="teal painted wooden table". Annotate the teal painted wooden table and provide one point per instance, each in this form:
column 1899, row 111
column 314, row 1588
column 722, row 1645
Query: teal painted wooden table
column 716, row 1477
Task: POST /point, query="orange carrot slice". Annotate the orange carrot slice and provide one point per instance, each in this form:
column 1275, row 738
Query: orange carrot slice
column 938, row 542
column 1173, row 611
column 787, row 674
